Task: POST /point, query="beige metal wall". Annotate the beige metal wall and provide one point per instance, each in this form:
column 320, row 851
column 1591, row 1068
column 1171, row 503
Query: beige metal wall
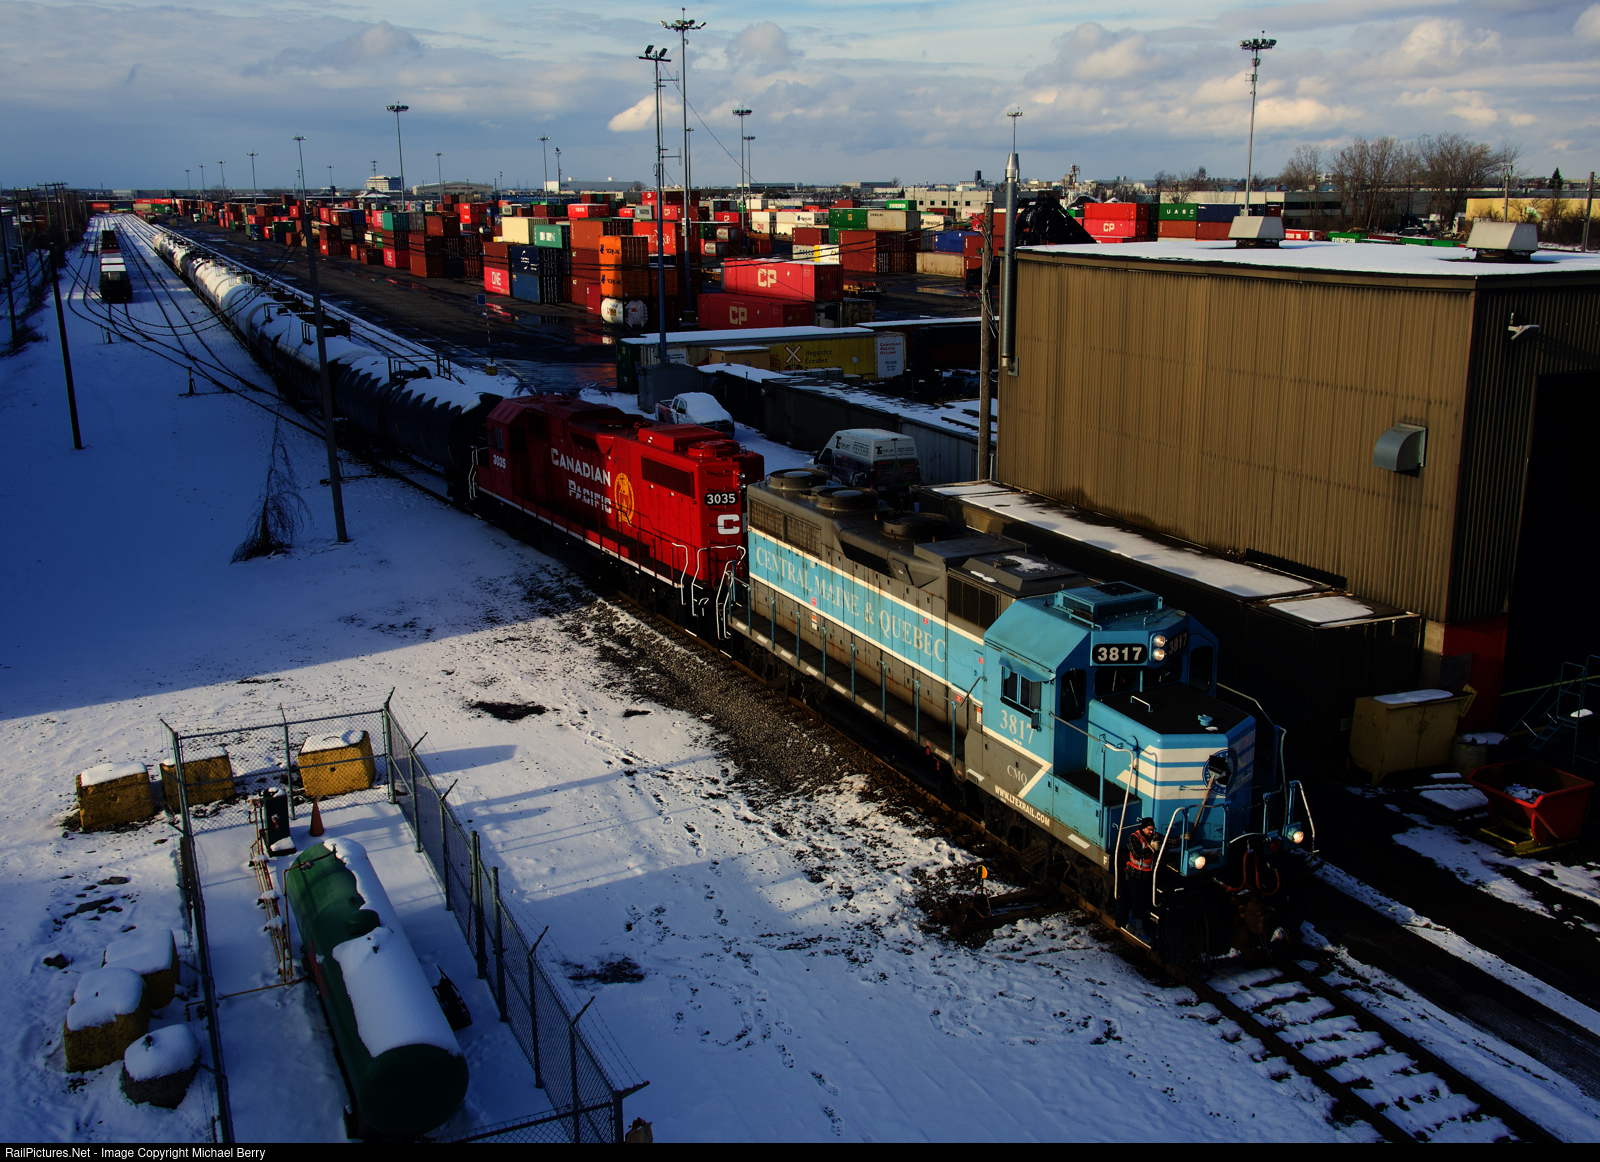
column 1239, row 410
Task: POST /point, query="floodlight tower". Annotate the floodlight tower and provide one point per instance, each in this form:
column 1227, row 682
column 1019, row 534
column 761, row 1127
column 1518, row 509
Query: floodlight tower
column 683, row 27
column 254, row 189
column 741, row 113
column 545, row 150
column 1255, row 46
column 223, row 178
column 400, row 145
column 657, row 57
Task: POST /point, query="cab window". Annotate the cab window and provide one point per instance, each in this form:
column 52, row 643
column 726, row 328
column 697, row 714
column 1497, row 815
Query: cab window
column 1202, row 663
column 1074, row 685
column 1018, row 691
column 1110, row 680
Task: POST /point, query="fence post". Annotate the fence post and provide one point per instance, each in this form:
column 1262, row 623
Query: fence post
column 475, row 915
column 444, row 853
column 388, row 748
column 288, row 762
column 416, row 806
column 572, row 1063
column 617, row 1131
column 533, row 1010
column 499, row 947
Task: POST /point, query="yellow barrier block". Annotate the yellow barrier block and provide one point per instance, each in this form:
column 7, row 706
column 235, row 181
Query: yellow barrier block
column 334, row 764
column 207, row 777
column 112, row 794
column 108, row 1014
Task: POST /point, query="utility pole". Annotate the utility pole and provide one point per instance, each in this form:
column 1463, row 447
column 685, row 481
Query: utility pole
column 329, row 437
column 57, row 257
column 11, row 308
column 202, row 177
column 741, row 113
column 222, row 177
column 188, row 182
column 1589, row 208
column 1008, row 270
column 749, row 163
column 558, row 169
column 544, row 149
column 438, row 158
column 656, row 56
column 1255, row 46
column 301, row 172
column 683, row 27
column 254, row 189
column 400, row 146
column 984, row 345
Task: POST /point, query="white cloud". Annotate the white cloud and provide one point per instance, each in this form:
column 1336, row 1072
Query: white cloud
column 640, row 115
column 1587, row 27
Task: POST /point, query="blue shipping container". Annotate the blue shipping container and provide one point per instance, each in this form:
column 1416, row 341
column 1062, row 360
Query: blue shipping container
column 525, row 287
column 1210, row 212
column 950, row 241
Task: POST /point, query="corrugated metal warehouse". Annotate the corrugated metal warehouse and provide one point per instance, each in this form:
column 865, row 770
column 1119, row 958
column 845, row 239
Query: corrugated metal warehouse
column 1238, row 398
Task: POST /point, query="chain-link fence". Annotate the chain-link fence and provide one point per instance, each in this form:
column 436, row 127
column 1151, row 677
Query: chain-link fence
column 369, row 756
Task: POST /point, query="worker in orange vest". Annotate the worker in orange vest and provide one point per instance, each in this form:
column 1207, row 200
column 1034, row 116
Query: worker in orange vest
column 1133, row 893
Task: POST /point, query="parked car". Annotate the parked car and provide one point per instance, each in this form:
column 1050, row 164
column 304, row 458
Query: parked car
column 696, row 407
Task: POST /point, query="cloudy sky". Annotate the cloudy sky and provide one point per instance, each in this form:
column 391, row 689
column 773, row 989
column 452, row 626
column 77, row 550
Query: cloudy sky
column 129, row 94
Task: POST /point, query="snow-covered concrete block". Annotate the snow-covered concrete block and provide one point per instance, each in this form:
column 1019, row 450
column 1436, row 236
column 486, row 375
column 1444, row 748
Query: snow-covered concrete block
column 207, row 777
column 158, row 1067
column 333, row 764
column 108, row 1014
column 112, row 794
column 154, row 956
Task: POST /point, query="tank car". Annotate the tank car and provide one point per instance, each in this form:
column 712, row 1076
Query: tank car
column 401, row 1060
column 397, row 404
column 1063, row 708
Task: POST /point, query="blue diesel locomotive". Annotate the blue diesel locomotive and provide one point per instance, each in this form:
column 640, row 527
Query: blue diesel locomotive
column 1065, row 709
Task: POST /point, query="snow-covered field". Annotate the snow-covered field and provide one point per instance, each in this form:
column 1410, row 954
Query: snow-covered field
column 757, row 954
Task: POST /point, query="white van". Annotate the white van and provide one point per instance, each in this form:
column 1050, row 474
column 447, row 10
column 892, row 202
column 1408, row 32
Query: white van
column 696, row 407
column 871, row 458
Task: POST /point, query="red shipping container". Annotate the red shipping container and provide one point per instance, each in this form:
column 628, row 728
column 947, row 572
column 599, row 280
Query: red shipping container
column 803, row 281
column 864, row 261
column 810, row 235
column 1118, row 211
column 847, row 204
column 647, row 230
column 625, row 212
column 1114, row 227
column 624, row 250
column 727, row 216
column 322, row 245
column 427, row 265
column 588, row 210
column 493, row 250
column 1212, row 231
column 1173, row 228
column 726, row 312
column 587, row 232
column 592, row 298
column 496, row 281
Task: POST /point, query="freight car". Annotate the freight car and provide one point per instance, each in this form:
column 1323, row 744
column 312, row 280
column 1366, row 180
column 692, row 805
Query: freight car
column 401, row 1061
column 115, row 287
column 424, row 409
column 1062, row 709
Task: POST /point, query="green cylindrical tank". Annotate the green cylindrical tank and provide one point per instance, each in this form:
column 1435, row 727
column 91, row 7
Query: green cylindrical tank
column 418, row 1077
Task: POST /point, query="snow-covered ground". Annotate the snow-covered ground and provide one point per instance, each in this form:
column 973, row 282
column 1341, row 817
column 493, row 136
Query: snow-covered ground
column 757, row 953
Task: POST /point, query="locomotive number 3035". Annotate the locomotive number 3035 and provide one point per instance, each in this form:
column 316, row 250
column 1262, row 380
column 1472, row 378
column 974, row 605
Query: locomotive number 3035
column 716, row 498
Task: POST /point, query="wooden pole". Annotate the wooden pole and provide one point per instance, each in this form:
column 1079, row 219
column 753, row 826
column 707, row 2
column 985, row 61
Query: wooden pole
column 66, row 356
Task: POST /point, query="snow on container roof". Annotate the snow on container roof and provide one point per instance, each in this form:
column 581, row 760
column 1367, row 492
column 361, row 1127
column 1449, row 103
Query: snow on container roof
column 143, row 952
column 109, row 773
column 1250, row 581
column 322, row 742
column 719, row 338
column 1325, row 610
column 161, row 1053
column 103, row 995
column 1332, row 258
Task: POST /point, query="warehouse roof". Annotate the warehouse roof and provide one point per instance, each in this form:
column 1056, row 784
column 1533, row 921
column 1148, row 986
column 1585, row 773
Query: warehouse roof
column 1333, row 258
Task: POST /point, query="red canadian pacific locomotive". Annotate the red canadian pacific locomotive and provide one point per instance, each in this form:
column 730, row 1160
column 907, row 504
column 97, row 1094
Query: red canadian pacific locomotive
column 664, row 502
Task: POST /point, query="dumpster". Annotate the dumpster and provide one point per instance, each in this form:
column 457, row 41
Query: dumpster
column 1400, row 732
column 1533, row 804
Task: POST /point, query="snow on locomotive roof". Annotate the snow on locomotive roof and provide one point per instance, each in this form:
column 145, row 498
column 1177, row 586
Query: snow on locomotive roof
column 1234, row 577
column 1333, row 258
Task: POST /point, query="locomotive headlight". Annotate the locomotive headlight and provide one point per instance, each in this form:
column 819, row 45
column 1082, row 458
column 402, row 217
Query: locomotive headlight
column 1198, row 862
column 1159, row 655
column 1297, row 837
column 1159, row 641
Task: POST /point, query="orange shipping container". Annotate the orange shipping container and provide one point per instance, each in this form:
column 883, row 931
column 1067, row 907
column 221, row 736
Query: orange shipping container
column 624, row 250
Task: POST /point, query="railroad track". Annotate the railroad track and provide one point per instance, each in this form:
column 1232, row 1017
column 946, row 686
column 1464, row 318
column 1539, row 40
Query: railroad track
column 1296, row 1007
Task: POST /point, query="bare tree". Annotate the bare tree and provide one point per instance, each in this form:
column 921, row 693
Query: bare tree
column 1303, row 170
column 1450, row 166
column 1195, row 181
column 1373, row 176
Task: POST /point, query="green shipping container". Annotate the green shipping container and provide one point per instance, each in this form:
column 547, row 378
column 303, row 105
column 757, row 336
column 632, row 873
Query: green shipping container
column 553, row 235
column 846, row 219
column 1347, row 235
column 1177, row 212
column 899, row 204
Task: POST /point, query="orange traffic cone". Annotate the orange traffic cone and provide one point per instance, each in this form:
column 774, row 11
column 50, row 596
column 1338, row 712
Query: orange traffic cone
column 316, row 818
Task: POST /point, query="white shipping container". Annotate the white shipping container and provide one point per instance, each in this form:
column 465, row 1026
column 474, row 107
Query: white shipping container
column 783, row 229
column 893, row 220
column 810, row 218
column 787, row 217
